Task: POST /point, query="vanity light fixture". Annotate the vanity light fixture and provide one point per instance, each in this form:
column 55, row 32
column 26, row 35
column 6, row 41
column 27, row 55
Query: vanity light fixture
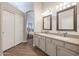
column 74, row 3
column 59, row 7
column 44, row 13
column 65, row 5
column 48, row 12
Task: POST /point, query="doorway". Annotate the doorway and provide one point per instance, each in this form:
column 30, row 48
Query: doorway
column 30, row 25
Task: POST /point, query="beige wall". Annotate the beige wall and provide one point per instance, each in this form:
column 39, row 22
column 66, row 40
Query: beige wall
column 50, row 6
column 37, row 17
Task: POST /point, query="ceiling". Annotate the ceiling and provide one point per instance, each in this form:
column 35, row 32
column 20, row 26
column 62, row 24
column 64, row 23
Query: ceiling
column 27, row 6
column 23, row 6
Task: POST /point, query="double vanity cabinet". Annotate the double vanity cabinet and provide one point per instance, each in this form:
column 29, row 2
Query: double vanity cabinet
column 54, row 45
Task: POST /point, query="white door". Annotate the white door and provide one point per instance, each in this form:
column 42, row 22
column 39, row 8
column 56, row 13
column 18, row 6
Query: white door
column 18, row 29
column 7, row 30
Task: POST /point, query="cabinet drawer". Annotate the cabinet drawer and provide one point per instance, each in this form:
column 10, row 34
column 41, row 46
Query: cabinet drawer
column 59, row 43
column 72, row 47
column 50, row 40
column 42, row 37
column 65, row 52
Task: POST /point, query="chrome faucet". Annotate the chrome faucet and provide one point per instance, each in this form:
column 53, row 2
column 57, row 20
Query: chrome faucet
column 65, row 34
column 46, row 31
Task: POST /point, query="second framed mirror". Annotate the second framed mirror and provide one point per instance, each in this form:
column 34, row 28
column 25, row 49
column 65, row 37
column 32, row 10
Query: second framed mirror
column 67, row 19
column 47, row 22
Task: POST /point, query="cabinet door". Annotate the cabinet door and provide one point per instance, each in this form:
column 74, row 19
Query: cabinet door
column 50, row 47
column 42, row 43
column 37, row 40
column 65, row 52
column 34, row 40
column 7, row 30
column 72, row 47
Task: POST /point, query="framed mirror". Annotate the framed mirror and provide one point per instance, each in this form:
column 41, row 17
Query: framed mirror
column 47, row 22
column 67, row 19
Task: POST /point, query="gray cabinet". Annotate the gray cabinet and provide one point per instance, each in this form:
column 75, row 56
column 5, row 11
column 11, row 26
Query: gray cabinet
column 50, row 47
column 72, row 47
column 65, row 52
column 42, row 43
column 54, row 47
column 36, row 40
column 59, row 43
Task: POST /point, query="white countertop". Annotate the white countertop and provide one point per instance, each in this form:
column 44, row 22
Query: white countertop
column 66, row 39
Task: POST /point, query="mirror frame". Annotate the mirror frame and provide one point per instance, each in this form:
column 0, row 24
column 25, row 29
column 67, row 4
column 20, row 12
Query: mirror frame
column 74, row 19
column 50, row 22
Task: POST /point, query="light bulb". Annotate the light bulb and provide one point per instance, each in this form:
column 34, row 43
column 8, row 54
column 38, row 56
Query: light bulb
column 65, row 3
column 61, row 5
column 68, row 5
column 64, row 7
column 60, row 9
column 57, row 7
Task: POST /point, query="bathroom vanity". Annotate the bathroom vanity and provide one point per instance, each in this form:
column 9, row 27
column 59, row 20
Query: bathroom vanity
column 55, row 45
column 59, row 45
